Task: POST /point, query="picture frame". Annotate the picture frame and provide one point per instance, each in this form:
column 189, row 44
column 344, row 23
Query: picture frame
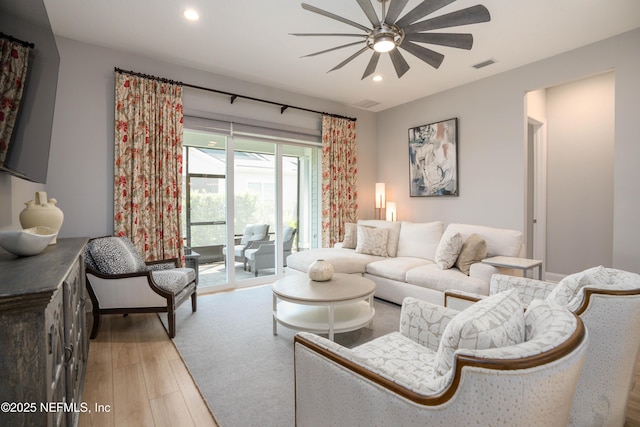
column 433, row 159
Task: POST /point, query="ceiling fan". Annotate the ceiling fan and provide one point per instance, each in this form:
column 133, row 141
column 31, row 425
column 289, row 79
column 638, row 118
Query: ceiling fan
column 388, row 33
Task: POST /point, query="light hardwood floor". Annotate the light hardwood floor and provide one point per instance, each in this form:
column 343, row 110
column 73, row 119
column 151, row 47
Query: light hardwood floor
column 137, row 377
column 135, row 369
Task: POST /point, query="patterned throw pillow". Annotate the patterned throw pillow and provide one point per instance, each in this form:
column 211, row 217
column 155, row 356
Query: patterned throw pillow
column 497, row 321
column 448, row 250
column 350, row 236
column 115, row 255
column 372, row 241
column 473, row 250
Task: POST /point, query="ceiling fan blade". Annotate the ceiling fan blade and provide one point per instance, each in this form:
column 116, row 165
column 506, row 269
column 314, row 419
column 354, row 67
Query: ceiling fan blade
column 470, row 15
column 333, row 48
column 460, row 41
column 368, row 10
column 422, row 10
column 373, row 63
column 399, row 62
column 395, row 8
column 427, row 55
column 333, row 16
column 349, row 59
column 329, row 34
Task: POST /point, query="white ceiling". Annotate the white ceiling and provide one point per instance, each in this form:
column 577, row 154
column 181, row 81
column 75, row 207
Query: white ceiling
column 249, row 40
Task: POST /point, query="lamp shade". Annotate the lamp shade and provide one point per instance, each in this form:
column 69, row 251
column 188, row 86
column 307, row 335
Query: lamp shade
column 380, row 196
column 391, row 211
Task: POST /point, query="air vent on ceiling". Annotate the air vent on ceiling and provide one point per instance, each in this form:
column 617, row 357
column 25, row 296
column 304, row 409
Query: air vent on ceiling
column 484, row 64
column 367, row 103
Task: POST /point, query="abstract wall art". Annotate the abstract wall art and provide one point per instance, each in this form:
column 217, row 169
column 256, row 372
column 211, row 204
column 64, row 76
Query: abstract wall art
column 433, row 159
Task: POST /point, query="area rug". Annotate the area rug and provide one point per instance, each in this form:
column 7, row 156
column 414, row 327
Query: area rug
column 244, row 372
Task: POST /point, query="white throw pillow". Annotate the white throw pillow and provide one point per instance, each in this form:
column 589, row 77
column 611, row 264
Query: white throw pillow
column 497, row 321
column 448, row 250
column 350, row 235
column 419, row 240
column 372, row 241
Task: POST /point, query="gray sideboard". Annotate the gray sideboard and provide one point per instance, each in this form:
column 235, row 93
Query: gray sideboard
column 43, row 336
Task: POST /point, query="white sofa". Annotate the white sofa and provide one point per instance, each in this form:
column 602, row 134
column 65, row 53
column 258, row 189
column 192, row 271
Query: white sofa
column 409, row 269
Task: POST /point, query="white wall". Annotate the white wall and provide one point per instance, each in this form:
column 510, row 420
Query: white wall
column 580, row 135
column 81, row 160
column 492, row 138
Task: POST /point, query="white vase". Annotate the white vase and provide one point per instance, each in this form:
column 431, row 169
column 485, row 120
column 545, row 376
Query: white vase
column 42, row 212
column 320, row 270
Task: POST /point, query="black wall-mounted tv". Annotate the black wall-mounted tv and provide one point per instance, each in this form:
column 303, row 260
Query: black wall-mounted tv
column 28, row 152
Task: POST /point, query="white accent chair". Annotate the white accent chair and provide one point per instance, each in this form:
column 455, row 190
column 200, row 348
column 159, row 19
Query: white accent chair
column 393, row 380
column 608, row 302
column 120, row 282
column 252, row 233
column 261, row 255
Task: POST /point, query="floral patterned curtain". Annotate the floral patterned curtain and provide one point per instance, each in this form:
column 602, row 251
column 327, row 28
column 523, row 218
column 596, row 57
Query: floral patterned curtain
column 14, row 62
column 148, row 165
column 339, row 178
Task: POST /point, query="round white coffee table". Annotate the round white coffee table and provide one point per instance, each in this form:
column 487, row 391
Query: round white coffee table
column 342, row 304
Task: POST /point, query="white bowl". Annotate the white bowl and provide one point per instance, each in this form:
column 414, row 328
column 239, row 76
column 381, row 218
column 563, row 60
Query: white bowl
column 27, row 242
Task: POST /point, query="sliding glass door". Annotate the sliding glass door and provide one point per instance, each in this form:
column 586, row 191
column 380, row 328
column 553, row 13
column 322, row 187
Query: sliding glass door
column 235, row 187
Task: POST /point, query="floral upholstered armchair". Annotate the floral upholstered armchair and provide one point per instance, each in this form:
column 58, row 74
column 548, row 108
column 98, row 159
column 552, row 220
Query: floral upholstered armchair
column 490, row 364
column 119, row 281
column 608, row 302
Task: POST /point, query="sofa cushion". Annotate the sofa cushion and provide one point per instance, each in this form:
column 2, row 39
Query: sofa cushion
column 395, row 268
column 372, row 241
column 419, row 240
column 350, row 235
column 500, row 241
column 394, row 233
column 497, row 321
column 448, row 250
column 343, row 260
column 474, row 249
column 431, row 276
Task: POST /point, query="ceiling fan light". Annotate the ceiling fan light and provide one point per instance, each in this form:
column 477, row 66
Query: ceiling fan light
column 384, row 44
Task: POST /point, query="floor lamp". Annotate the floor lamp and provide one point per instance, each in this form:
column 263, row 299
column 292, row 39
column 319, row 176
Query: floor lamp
column 380, row 198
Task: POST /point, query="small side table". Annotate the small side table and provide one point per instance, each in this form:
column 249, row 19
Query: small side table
column 192, row 260
column 523, row 264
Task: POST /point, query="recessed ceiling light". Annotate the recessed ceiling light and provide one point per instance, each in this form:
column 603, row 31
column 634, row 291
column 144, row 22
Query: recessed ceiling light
column 191, row 14
column 377, row 78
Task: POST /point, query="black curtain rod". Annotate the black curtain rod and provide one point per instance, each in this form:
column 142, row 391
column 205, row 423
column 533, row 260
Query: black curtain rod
column 233, row 96
column 13, row 39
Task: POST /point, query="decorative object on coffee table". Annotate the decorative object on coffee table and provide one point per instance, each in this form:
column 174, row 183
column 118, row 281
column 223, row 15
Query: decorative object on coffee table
column 433, row 160
column 320, row 270
column 42, row 212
